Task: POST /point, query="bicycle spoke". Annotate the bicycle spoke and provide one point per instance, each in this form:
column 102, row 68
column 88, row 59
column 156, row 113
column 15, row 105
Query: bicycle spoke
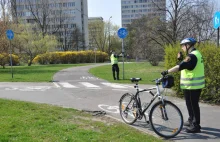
column 127, row 109
column 166, row 120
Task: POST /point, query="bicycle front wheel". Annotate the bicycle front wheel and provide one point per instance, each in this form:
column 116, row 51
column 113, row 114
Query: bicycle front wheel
column 166, row 119
column 128, row 108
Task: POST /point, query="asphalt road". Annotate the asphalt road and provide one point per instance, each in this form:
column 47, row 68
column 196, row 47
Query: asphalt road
column 76, row 88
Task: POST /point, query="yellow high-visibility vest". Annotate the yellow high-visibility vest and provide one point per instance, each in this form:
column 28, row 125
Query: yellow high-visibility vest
column 194, row 79
column 114, row 60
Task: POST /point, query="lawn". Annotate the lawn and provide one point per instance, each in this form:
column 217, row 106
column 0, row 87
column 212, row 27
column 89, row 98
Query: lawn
column 24, row 122
column 30, row 122
column 44, row 73
column 143, row 70
column 34, row 73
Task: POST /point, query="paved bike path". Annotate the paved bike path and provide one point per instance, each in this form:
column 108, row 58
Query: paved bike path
column 209, row 114
column 95, row 99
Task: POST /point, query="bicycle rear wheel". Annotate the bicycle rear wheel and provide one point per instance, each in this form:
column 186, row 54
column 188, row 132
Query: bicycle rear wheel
column 128, row 108
column 166, row 119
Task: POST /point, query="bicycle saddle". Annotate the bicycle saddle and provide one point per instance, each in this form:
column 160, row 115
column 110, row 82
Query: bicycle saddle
column 135, row 79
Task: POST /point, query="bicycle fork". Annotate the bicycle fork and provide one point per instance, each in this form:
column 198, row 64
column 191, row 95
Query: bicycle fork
column 163, row 111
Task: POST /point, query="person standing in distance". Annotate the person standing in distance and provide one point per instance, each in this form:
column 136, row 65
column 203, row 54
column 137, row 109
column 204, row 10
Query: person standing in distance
column 192, row 81
column 114, row 62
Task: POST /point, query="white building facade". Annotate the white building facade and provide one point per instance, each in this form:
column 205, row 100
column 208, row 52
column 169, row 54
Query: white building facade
column 134, row 9
column 61, row 18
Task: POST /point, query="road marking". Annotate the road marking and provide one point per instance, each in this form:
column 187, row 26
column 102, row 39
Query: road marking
column 108, row 108
column 113, row 85
column 120, row 90
column 89, row 78
column 30, row 88
column 11, row 89
column 89, row 85
column 67, row 85
column 58, row 86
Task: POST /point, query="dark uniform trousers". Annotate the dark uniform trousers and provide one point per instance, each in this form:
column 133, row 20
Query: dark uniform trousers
column 115, row 68
column 192, row 103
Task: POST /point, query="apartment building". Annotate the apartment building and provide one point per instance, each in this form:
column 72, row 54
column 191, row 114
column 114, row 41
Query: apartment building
column 64, row 18
column 134, row 9
column 95, row 28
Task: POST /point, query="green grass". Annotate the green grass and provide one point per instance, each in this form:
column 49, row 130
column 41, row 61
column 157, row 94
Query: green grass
column 30, row 122
column 143, row 70
column 34, row 73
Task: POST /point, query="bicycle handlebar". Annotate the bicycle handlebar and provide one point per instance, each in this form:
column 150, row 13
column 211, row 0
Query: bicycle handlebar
column 158, row 80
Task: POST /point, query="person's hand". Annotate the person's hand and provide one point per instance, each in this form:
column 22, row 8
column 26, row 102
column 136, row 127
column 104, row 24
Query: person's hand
column 164, row 73
column 180, row 56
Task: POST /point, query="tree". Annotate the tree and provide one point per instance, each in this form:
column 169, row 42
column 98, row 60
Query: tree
column 13, row 8
column 139, row 42
column 103, row 36
column 4, row 25
column 34, row 42
column 3, row 10
column 4, row 44
column 98, row 33
column 77, row 39
column 47, row 19
column 185, row 18
column 115, row 41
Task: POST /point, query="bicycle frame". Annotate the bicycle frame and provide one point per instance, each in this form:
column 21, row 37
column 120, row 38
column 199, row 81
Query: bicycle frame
column 156, row 95
column 132, row 109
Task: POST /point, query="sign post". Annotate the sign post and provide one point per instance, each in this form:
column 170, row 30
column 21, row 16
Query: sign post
column 122, row 33
column 95, row 49
column 216, row 24
column 10, row 36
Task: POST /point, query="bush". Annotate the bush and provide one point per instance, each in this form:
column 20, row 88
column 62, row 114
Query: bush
column 155, row 55
column 42, row 59
column 15, row 60
column 5, row 59
column 71, row 57
column 211, row 55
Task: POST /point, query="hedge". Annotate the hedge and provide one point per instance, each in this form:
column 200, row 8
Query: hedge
column 211, row 55
column 71, row 57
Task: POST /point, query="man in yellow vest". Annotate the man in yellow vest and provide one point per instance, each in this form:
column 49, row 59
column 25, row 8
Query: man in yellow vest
column 192, row 81
column 114, row 62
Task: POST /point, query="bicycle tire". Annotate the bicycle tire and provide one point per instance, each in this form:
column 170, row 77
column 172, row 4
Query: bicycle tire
column 128, row 113
column 160, row 128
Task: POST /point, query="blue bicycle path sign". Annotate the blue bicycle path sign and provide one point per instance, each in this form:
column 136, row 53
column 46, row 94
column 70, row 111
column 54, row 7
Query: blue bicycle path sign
column 122, row 33
column 216, row 20
column 10, row 34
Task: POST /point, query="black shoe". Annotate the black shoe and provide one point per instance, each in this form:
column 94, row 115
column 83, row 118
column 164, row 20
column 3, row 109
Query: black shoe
column 118, row 79
column 187, row 123
column 192, row 130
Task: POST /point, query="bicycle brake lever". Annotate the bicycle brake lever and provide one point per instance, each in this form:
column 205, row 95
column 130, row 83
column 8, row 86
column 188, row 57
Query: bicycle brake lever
column 152, row 80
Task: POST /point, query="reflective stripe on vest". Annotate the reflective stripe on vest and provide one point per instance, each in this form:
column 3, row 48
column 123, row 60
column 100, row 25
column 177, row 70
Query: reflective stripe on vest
column 114, row 60
column 194, row 79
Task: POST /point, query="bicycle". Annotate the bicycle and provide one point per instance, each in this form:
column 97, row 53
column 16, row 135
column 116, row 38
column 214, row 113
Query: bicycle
column 165, row 118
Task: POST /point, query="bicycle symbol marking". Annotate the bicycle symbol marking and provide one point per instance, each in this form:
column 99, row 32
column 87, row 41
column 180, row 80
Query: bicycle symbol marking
column 108, row 108
column 30, row 88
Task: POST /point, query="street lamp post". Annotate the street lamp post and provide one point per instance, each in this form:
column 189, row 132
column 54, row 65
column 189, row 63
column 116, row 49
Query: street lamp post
column 95, row 53
column 109, row 34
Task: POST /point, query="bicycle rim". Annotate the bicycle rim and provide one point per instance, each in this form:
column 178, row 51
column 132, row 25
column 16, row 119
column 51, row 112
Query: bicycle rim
column 169, row 126
column 128, row 110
